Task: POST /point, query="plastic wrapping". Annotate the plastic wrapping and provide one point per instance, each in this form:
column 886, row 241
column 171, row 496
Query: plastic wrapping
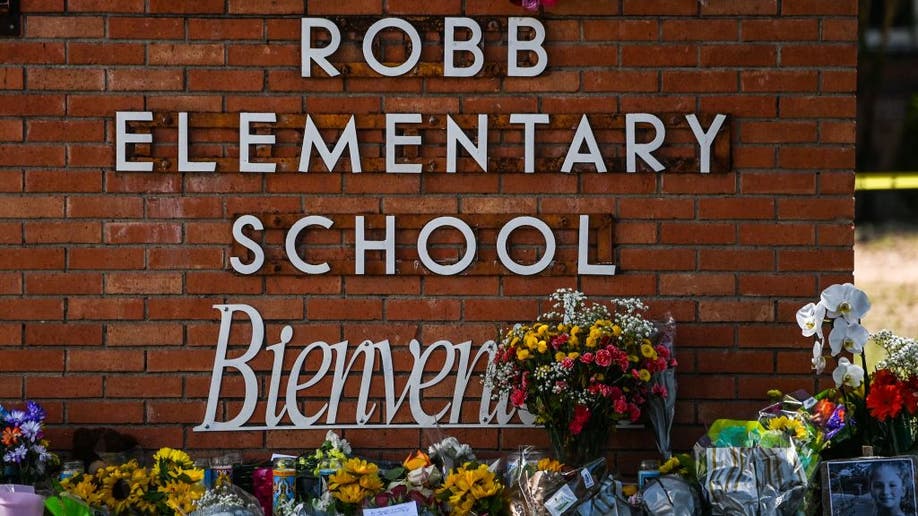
column 670, row 495
column 228, row 500
column 746, row 470
column 543, row 493
column 661, row 409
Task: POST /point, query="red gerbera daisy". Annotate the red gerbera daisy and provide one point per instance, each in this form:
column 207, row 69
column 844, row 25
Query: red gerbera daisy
column 884, row 401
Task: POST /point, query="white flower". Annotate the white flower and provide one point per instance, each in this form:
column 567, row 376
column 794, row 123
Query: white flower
column 819, row 361
column 847, row 374
column 850, row 337
column 845, row 300
column 810, row 318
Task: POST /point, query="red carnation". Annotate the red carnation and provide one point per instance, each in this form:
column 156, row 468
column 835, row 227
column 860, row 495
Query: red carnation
column 518, row 397
column 603, row 358
column 581, row 416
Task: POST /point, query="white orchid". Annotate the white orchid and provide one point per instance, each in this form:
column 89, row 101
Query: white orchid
column 848, row 336
column 846, row 301
column 818, row 361
column 848, row 374
column 810, row 319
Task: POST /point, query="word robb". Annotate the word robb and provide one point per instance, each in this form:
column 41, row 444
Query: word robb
column 457, row 362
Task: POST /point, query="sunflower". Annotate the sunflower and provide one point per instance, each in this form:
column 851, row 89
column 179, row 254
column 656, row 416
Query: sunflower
column 121, row 489
column 181, row 496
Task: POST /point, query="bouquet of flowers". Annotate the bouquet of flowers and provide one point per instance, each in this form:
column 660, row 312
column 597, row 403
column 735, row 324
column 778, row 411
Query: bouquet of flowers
column 580, row 369
column 333, row 452
column 893, row 396
column 171, row 486
column 355, row 481
column 473, row 489
column 414, row 481
column 24, row 455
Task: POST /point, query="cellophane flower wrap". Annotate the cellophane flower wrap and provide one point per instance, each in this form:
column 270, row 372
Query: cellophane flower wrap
column 170, row 486
column 24, row 455
column 580, row 369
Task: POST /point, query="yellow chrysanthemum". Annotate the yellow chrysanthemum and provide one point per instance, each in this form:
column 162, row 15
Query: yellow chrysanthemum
column 616, row 330
column 180, row 496
column 542, row 347
column 549, row 464
column 542, row 330
column 351, row 493
column 644, row 375
column 790, row 426
column 559, row 356
column 522, row 354
column 573, row 355
column 648, row 352
column 467, row 485
column 669, row 466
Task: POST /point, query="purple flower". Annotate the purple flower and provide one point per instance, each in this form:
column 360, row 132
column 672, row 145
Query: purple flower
column 34, row 410
column 42, row 453
column 16, row 455
column 15, row 417
column 31, row 430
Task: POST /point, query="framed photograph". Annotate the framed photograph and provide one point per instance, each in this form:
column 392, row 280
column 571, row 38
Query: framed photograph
column 870, row 486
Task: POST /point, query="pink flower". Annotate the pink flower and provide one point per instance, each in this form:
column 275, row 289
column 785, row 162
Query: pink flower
column 614, row 392
column 518, row 397
column 559, row 341
column 620, row 405
column 634, row 413
column 586, row 358
column 659, row 390
column 603, row 358
column 567, row 363
column 662, row 351
column 581, row 416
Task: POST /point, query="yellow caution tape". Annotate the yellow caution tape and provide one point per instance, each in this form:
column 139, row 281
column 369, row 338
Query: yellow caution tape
column 886, row 180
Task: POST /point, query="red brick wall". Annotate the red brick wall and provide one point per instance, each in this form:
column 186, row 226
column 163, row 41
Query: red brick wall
column 107, row 279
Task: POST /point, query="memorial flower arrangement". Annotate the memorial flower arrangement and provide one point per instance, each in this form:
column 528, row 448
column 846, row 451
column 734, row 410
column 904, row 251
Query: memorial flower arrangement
column 170, row 486
column 580, row 369
column 354, row 482
column 414, row 481
column 24, row 455
column 472, row 489
column 893, row 396
column 333, row 452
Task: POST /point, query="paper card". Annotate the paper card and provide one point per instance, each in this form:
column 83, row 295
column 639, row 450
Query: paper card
column 402, row 509
column 588, row 481
column 561, row 501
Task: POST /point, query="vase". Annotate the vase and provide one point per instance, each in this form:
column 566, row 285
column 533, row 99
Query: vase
column 21, row 504
column 576, row 450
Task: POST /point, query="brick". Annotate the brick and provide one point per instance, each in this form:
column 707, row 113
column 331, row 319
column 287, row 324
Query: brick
column 31, row 206
column 778, row 183
column 662, row 7
column 102, row 105
column 745, row 55
column 755, row 311
column 11, row 130
column 185, row 54
column 145, row 80
column 265, row 55
column 142, row 232
column 143, row 386
column 64, row 334
column 63, row 386
column 820, row 7
column 779, row 29
column 85, row 53
column 219, row 29
column 63, row 232
column 622, row 80
column 105, row 6
column 11, row 79
column 65, row 27
column 32, row 105
column 816, row 157
column 659, row 56
column 819, row 55
column 187, row 6
column 778, row 132
column 781, row 234
column 736, row 259
column 219, row 282
column 106, row 258
column 659, row 208
column 104, row 207
column 266, row 7
column 839, row 29
column 749, row 7
column 616, row 29
column 143, row 283
column 778, row 81
column 840, row 81
column 694, row 284
column 736, row 208
column 104, row 308
column 186, row 258
column 38, row 283
column 104, row 412
column 816, row 260
column 174, row 360
column 11, row 387
column 66, row 131
column 123, row 27
column 189, row 104
column 23, row 52
column 700, row 30
column 107, row 360
column 10, row 283
column 32, row 155
column 815, row 209
column 34, row 360
column 706, row 81
column 362, row 309
column 428, row 310
column 143, row 334
column 32, row 258
column 775, row 284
